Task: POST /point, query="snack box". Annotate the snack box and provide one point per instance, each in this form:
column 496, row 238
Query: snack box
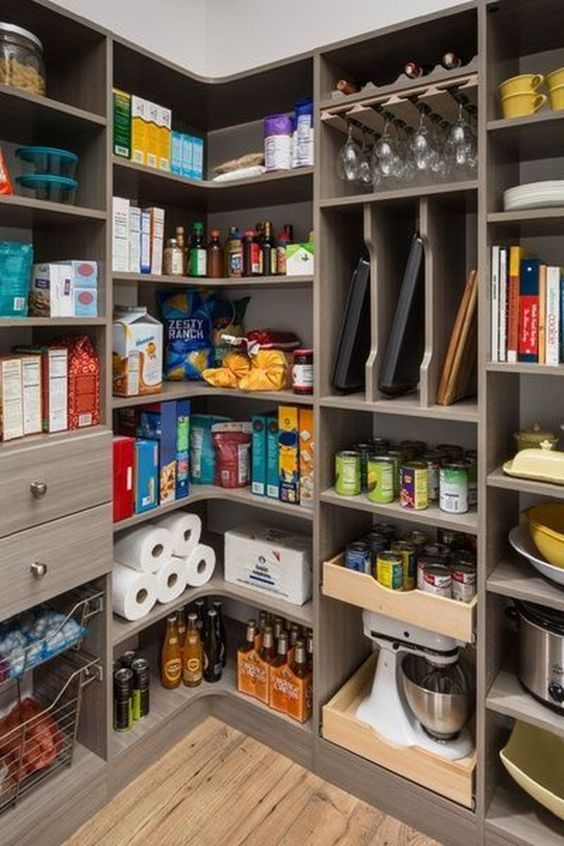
column 145, row 235
column 146, row 475
column 120, row 234
column 137, row 359
column 157, row 422
column 187, row 156
column 288, row 456
column 122, row 123
column 182, row 448
column 197, row 157
column 31, row 390
column 139, row 130
column 11, row 398
column 272, row 456
column 54, row 385
column 306, row 455
column 83, row 381
column 152, row 139
column 176, row 144
column 84, row 285
column 157, row 239
column 123, row 453
column 134, row 239
column 164, row 122
column 51, row 292
column 300, row 259
column 258, row 454
column 269, row 561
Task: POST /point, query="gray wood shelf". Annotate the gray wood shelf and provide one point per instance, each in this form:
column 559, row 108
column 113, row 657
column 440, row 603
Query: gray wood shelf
column 520, row 821
column 519, row 580
column 24, row 212
column 525, row 368
column 227, row 282
column 498, row 479
column 530, row 222
column 34, row 117
column 535, row 136
column 468, row 186
column 507, row 696
column 465, row 411
column 23, row 322
column 187, row 390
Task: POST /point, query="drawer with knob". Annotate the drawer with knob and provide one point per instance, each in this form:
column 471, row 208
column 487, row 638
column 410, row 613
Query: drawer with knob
column 47, row 560
column 43, row 479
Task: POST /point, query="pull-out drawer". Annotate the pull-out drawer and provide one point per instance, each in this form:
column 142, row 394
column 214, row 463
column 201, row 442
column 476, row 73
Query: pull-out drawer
column 43, row 562
column 43, row 480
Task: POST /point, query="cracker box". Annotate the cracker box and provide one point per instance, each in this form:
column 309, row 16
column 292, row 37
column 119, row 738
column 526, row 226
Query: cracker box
column 306, row 456
column 157, row 422
column 258, row 454
column 157, row 240
column 187, row 156
column 164, row 122
column 137, row 359
column 145, row 257
column 182, row 448
column 288, row 456
column 123, row 453
column 84, row 283
column 300, row 259
column 54, row 385
column 197, row 158
column 146, row 475
column 269, row 561
column 83, row 381
column 122, row 123
column 152, row 121
column 272, row 454
column 134, row 239
column 31, row 389
column 139, row 130
column 120, row 235
column 11, row 398
column 51, row 293
column 176, row 152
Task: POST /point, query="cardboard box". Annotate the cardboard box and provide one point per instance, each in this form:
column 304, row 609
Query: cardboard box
column 288, row 456
column 128, row 421
column 51, row 293
column 300, row 259
column 120, row 235
column 176, row 142
column 306, row 455
column 123, row 453
column 253, row 675
column 157, row 239
column 146, row 475
column 157, row 422
column 84, row 284
column 258, row 454
column 197, row 158
column 269, row 561
column 182, row 448
column 137, row 353
column 54, row 381
column 272, row 456
column 83, row 382
column 31, row 390
column 187, row 156
column 122, row 123
column 11, row 398
column 145, row 241
column 165, row 129
column 134, row 239
column 139, row 130
column 152, row 121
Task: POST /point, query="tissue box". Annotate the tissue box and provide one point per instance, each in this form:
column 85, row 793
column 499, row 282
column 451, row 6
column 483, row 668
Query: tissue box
column 300, row 259
column 269, row 561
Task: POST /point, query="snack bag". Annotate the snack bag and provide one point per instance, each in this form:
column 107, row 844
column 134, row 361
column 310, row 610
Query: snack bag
column 188, row 334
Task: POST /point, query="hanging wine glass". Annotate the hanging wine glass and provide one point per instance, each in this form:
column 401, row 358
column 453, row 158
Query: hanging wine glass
column 422, row 147
column 364, row 169
column 384, row 154
column 461, row 143
column 349, row 159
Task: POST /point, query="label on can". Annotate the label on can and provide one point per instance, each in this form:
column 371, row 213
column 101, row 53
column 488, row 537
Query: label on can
column 389, row 570
column 472, row 482
column 425, row 560
column 463, row 581
column 407, row 552
column 380, row 482
column 413, row 486
column 437, row 579
column 359, row 557
column 347, row 473
column 454, row 488
column 433, row 462
column 398, row 458
column 377, row 542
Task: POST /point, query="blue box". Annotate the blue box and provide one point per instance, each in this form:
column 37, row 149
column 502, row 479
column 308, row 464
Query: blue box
column 182, row 448
column 258, row 454
column 146, row 475
column 272, row 452
column 157, row 422
column 197, row 158
column 187, row 156
column 176, row 153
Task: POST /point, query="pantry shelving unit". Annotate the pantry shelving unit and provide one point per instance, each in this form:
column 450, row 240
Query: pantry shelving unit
column 70, row 529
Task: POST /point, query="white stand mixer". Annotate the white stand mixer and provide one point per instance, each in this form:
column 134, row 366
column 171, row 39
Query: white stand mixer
column 386, row 708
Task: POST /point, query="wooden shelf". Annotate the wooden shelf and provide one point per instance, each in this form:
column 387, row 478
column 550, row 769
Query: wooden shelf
column 413, row 191
column 200, row 493
column 530, row 222
column 182, row 390
column 445, row 616
column 499, row 479
column 518, row 579
column 228, row 282
column 432, row 516
column 25, row 212
column 519, row 820
column 465, row 411
column 31, row 118
column 507, row 696
column 535, row 136
column 525, row 368
column 46, row 438
column 23, row 322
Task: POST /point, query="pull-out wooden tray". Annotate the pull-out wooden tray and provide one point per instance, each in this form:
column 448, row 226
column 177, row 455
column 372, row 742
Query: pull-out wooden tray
column 445, row 616
column 452, row 779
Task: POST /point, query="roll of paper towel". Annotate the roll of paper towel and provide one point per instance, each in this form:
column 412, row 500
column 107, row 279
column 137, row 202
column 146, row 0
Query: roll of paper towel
column 199, row 566
column 147, row 548
column 133, row 593
column 171, row 580
column 186, row 530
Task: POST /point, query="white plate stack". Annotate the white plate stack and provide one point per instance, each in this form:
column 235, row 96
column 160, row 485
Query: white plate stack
column 534, row 195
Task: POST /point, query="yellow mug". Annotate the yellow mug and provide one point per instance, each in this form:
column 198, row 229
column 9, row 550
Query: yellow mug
column 525, row 83
column 555, row 78
column 520, row 105
column 557, row 98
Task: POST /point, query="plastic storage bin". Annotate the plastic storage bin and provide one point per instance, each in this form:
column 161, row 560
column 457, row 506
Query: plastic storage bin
column 46, row 186
column 49, row 160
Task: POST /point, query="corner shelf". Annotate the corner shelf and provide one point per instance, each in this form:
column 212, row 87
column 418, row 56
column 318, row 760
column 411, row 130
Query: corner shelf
column 23, row 322
column 531, row 137
column 507, row 696
column 189, row 390
column 227, row 282
column 519, row 580
column 525, row 369
column 517, row 819
column 465, row 411
column 462, row 186
column 498, row 479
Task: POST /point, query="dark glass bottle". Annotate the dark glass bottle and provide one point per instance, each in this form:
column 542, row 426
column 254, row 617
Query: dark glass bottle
column 197, row 253
column 250, row 635
column 221, row 631
column 200, row 605
column 268, row 249
column 215, row 255
column 299, row 665
column 212, row 648
column 267, row 651
column 252, row 264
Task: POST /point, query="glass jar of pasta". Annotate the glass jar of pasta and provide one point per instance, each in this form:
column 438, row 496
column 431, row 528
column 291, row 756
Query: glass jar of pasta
column 21, row 59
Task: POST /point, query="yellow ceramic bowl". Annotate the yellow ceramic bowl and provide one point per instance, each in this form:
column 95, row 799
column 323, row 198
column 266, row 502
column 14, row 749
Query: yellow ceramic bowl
column 525, row 83
column 520, row 105
column 555, row 78
column 556, row 96
column 546, row 525
column 534, row 758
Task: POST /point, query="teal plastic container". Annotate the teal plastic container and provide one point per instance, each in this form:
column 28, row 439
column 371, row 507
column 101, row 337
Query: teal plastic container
column 50, row 160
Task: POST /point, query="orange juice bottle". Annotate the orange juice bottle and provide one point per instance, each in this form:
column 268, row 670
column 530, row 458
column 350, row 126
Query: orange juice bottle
column 246, row 660
column 171, row 656
column 299, row 694
column 277, row 694
column 266, row 656
column 192, row 654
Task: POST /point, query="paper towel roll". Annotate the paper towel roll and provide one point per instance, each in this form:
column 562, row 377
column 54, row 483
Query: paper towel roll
column 147, row 548
column 171, row 580
column 199, row 566
column 186, row 530
column 133, row 593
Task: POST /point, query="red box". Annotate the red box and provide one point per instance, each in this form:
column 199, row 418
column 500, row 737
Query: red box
column 124, row 451
column 83, row 381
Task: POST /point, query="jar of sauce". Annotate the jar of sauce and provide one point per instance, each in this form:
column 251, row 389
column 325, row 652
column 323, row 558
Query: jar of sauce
column 302, row 372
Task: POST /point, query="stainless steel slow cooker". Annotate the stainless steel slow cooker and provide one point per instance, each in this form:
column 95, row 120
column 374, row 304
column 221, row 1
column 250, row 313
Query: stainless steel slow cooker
column 541, row 653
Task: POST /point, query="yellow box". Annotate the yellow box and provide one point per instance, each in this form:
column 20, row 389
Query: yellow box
column 306, row 456
column 152, row 121
column 138, row 131
column 165, row 133
column 288, row 453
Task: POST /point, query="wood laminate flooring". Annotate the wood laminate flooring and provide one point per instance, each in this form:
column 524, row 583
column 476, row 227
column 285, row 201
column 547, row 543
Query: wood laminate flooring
column 220, row 787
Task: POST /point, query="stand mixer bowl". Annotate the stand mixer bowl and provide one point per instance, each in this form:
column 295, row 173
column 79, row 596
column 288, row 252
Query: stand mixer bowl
column 441, row 698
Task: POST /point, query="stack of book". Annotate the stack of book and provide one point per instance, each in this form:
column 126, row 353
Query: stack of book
column 527, row 308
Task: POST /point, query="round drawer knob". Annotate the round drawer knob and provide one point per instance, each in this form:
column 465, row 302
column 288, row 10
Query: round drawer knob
column 38, row 570
column 38, row 489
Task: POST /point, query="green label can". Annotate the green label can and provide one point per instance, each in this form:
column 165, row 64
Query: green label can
column 454, row 487
column 389, row 570
column 380, row 479
column 409, row 560
column 365, row 451
column 414, row 486
column 398, row 458
column 347, row 473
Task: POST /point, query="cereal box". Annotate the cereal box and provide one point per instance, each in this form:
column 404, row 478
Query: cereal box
column 54, row 385
column 306, row 456
column 272, row 454
column 152, row 120
column 146, row 475
column 157, row 422
column 31, row 390
column 165, row 127
column 122, row 123
column 288, row 456
column 83, row 381
column 139, row 130
column 11, row 398
column 123, row 448
column 137, row 359
column 258, row 455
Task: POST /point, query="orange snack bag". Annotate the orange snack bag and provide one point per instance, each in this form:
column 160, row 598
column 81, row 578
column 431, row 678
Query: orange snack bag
column 6, row 187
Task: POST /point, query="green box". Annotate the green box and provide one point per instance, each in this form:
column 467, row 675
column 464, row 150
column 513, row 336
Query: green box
column 272, row 453
column 122, row 123
column 258, row 454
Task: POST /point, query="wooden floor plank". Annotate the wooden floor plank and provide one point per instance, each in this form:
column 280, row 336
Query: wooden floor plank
column 218, row 786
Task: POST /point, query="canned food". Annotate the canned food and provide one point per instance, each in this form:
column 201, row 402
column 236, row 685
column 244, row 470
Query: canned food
column 454, row 487
column 424, row 561
column 384, row 529
column 463, row 581
column 389, row 570
column 141, row 685
column 377, row 542
column 396, row 454
column 472, row 481
column 448, row 537
column 365, row 451
column 453, row 452
column 413, row 486
column 358, row 556
column 440, row 550
column 381, row 479
column 127, row 658
column 437, row 579
column 463, row 556
column 433, row 460
column 407, row 552
column 417, row 538
column 379, row 445
column 418, row 447
column 347, row 473
column 123, row 696
column 408, row 453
